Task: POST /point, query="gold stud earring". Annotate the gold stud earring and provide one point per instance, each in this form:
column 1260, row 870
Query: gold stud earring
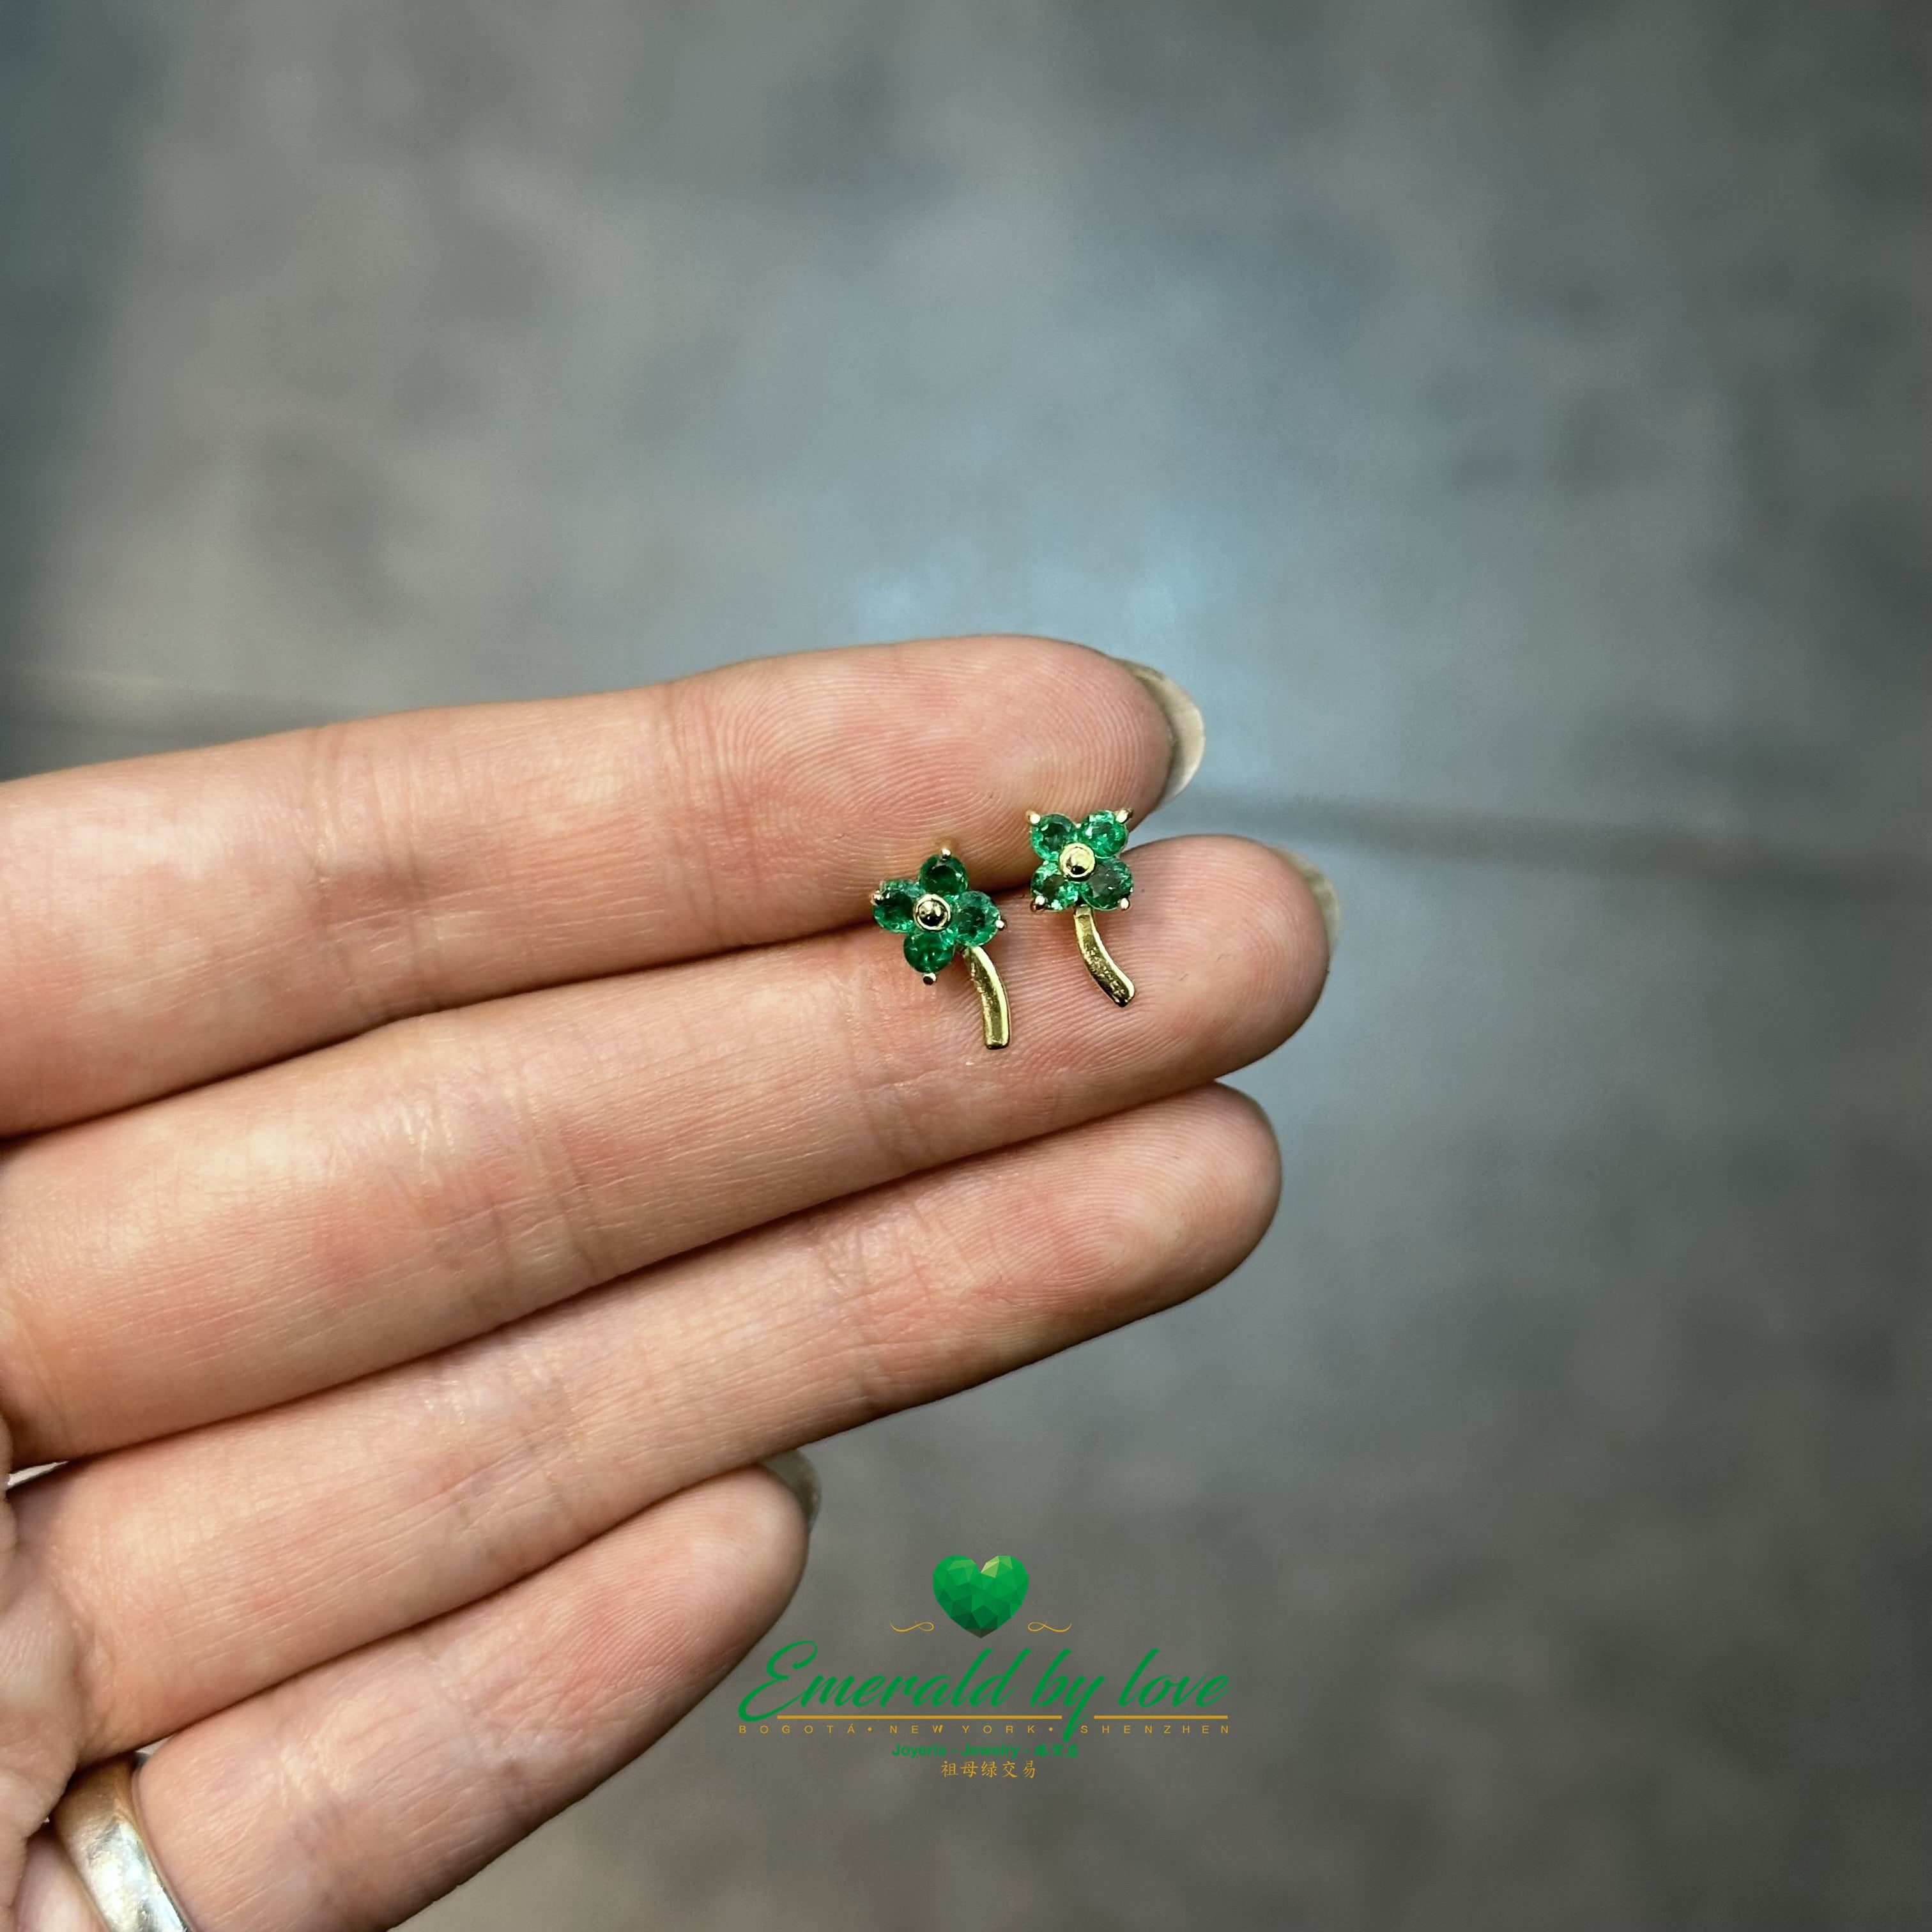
column 942, row 916
column 1080, row 873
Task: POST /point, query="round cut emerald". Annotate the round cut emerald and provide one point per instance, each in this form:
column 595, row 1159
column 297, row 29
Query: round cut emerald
column 975, row 919
column 1054, row 830
column 1051, row 885
column 892, row 905
column 943, row 873
column 1106, row 832
column 932, row 952
column 1107, row 886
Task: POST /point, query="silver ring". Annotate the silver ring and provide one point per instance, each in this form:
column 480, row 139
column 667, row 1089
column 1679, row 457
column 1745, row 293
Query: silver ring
column 99, row 1826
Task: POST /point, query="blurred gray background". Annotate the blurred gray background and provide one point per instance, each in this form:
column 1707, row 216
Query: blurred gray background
column 1510, row 419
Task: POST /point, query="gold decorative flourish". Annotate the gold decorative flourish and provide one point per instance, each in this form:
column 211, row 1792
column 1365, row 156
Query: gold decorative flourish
column 909, row 1627
column 1058, row 1629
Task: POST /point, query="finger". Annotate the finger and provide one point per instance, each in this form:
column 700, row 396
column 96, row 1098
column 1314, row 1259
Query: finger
column 205, row 1567
column 318, row 1220
column 169, row 920
column 353, row 1795
column 40, row 1707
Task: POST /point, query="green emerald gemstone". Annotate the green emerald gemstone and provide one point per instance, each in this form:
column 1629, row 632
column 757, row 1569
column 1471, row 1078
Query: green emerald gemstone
column 1105, row 832
column 1054, row 830
column 1107, row 886
column 1050, row 883
column 943, row 873
column 975, row 919
column 892, row 907
column 932, row 952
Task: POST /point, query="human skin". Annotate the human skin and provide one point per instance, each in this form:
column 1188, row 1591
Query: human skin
column 444, row 1152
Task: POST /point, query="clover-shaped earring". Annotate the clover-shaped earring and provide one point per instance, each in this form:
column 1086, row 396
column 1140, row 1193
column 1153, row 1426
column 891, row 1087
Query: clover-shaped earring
column 942, row 916
column 1080, row 874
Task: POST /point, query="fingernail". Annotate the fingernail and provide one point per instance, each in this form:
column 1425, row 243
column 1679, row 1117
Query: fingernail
column 800, row 1475
column 1185, row 726
column 1318, row 883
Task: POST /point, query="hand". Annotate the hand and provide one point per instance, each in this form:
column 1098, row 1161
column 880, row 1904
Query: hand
column 448, row 1149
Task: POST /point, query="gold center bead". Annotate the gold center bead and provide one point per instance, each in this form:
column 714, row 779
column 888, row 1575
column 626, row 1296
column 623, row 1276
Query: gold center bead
column 932, row 912
column 1076, row 860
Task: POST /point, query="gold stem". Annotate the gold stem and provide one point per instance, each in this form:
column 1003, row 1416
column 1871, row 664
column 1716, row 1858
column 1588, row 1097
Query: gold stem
column 1112, row 981
column 992, row 996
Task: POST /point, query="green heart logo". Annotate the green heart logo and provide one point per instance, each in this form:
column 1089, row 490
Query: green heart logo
column 980, row 1597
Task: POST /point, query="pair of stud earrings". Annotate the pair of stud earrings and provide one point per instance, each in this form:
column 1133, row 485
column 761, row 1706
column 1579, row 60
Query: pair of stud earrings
column 942, row 916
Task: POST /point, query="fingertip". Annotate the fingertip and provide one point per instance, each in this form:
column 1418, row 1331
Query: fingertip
column 1320, row 889
column 1118, row 741
column 1221, row 1154
column 1246, row 1163
column 800, row 1475
column 1244, row 1136
column 1234, row 918
column 756, row 1543
column 1197, row 1180
column 1288, row 927
column 1187, row 729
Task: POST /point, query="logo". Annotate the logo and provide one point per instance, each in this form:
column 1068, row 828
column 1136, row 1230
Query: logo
column 997, row 1718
